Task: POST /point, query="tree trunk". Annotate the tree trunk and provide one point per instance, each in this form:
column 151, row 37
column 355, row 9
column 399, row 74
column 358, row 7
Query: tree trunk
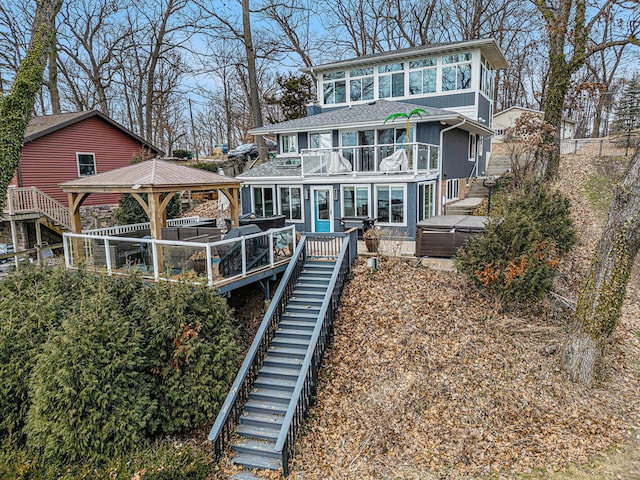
column 53, row 75
column 557, row 88
column 601, row 297
column 16, row 108
column 254, row 92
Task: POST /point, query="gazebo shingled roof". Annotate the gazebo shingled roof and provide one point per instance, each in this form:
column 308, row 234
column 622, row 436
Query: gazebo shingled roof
column 157, row 178
column 152, row 174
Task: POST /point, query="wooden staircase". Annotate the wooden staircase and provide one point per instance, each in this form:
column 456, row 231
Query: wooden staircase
column 270, row 397
column 24, row 201
column 261, row 422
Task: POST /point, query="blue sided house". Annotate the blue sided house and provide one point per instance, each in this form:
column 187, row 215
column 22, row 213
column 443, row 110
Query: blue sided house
column 393, row 136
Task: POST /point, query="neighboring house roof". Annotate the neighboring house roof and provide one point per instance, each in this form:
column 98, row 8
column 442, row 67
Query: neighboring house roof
column 489, row 47
column 158, row 174
column 280, row 167
column 46, row 124
column 525, row 109
column 367, row 114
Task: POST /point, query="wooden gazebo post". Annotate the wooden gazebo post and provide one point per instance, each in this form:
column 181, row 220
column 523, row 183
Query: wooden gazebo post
column 75, row 202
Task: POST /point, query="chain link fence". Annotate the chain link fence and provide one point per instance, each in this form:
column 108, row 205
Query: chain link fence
column 621, row 146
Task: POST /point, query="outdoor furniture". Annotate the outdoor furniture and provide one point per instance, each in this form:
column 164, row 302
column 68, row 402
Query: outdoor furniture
column 256, row 251
column 264, row 223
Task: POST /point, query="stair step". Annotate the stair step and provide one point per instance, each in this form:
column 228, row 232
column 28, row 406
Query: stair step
column 263, row 420
column 285, row 332
column 275, row 383
column 299, row 324
column 312, row 277
column 324, row 272
column 309, row 316
column 253, row 461
column 288, row 352
column 300, row 292
column 259, row 433
column 317, row 299
column 265, row 407
column 265, row 395
column 299, row 307
column 312, row 285
column 290, row 342
column 293, row 364
column 285, row 373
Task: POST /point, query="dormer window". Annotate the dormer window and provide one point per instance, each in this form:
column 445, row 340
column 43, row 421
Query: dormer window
column 334, row 88
column 456, row 72
column 391, row 80
column 361, row 84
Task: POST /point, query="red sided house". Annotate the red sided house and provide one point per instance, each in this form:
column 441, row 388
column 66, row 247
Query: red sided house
column 59, row 148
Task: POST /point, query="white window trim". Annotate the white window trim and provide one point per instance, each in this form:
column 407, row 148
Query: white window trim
column 455, row 189
column 476, row 59
column 296, row 150
column 302, row 202
column 253, row 205
column 355, row 186
column 434, row 207
column 95, row 166
column 404, row 203
column 473, row 147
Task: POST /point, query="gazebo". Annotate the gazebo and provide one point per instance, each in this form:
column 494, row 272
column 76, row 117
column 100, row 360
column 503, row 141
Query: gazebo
column 160, row 180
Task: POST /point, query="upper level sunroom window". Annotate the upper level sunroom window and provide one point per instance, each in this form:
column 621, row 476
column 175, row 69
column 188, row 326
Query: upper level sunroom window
column 334, row 88
column 391, row 80
column 487, row 78
column 456, row 72
column 361, row 84
column 423, row 76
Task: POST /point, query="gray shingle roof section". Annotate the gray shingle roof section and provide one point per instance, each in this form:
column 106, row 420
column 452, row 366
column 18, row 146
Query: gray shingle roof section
column 273, row 168
column 371, row 113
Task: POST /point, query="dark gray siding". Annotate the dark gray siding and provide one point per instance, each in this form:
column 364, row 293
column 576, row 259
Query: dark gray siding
column 455, row 155
column 302, row 141
column 484, row 109
column 445, row 101
column 429, row 133
column 245, row 199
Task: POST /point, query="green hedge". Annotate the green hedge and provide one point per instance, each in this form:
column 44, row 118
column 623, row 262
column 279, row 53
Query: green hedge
column 517, row 255
column 94, row 367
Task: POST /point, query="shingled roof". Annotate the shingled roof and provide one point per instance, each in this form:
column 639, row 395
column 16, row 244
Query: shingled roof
column 151, row 174
column 46, row 124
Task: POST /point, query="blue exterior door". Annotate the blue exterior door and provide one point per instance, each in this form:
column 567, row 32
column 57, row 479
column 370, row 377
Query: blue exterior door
column 322, row 209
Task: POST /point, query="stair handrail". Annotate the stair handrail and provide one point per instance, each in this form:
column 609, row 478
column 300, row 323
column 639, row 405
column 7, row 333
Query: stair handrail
column 22, row 199
column 231, row 409
column 307, row 380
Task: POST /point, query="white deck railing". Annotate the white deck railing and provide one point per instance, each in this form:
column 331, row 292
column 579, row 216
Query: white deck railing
column 413, row 158
column 27, row 200
column 212, row 263
column 135, row 227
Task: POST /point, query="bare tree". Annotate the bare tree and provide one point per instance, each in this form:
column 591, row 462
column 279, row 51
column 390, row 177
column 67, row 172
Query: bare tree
column 16, row 108
column 569, row 25
column 90, row 37
column 602, row 294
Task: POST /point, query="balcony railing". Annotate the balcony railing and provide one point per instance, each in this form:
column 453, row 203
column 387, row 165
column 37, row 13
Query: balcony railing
column 371, row 159
column 210, row 263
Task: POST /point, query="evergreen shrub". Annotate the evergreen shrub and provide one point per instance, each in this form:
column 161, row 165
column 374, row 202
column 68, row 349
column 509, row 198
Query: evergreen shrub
column 191, row 350
column 94, row 367
column 90, row 398
column 32, row 305
column 517, row 255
